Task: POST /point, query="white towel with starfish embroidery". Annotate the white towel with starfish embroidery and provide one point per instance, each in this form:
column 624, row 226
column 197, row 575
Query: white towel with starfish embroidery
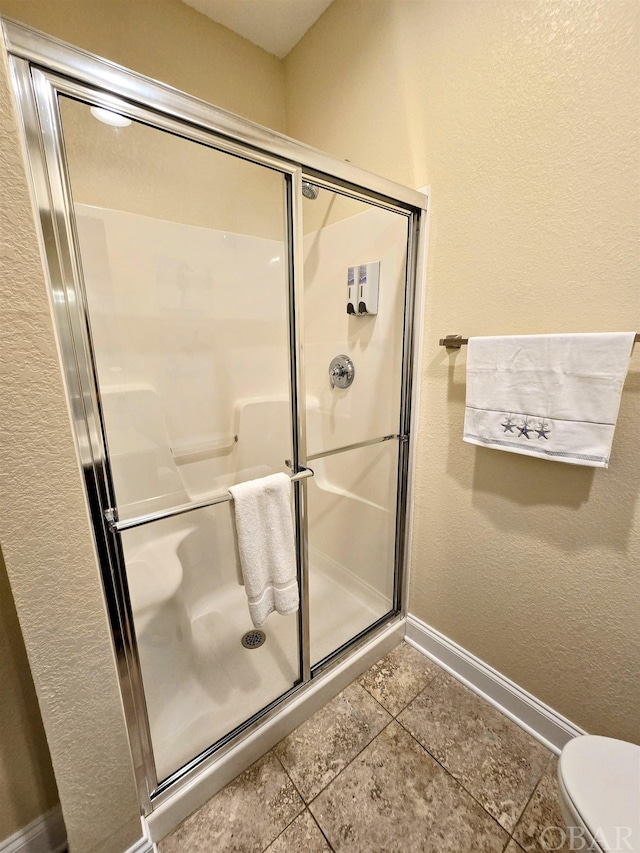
column 552, row 396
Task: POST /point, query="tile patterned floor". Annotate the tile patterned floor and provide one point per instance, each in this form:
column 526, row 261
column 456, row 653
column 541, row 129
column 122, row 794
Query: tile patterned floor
column 405, row 759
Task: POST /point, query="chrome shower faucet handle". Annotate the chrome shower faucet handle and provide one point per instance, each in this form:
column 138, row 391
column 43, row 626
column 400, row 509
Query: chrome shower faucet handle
column 341, row 372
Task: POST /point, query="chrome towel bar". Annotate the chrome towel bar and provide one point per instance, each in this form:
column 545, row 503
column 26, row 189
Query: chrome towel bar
column 128, row 523
column 355, row 446
column 457, row 341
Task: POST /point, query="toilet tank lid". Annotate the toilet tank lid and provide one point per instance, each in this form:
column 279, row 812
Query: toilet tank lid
column 602, row 777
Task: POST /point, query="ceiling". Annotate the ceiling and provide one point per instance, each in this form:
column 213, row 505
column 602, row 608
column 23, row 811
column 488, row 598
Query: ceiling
column 274, row 25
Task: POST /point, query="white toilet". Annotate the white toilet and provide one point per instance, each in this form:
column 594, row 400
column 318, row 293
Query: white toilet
column 599, row 780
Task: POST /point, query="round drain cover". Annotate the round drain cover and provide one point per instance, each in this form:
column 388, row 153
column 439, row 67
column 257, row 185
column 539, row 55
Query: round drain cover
column 253, row 639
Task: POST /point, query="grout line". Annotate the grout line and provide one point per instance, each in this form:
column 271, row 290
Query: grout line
column 526, row 806
column 351, row 760
column 419, row 693
column 535, row 787
column 375, row 698
column 288, row 775
column 340, row 772
column 353, row 757
column 284, row 829
column 324, row 835
column 457, row 781
column 356, row 680
column 404, row 707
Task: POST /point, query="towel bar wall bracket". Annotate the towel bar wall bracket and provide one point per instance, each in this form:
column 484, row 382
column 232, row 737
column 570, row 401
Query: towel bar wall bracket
column 457, row 341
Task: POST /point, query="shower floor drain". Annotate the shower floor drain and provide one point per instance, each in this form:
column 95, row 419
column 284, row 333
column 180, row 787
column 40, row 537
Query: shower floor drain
column 253, row 639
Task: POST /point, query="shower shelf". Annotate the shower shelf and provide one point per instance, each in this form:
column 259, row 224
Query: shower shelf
column 128, row 523
column 208, row 447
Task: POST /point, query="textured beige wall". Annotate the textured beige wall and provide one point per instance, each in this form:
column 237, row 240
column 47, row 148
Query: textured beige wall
column 52, row 569
column 47, row 543
column 27, row 785
column 523, row 117
column 171, row 42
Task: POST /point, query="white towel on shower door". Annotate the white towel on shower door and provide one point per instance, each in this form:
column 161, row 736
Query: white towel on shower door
column 266, row 545
column 552, row 396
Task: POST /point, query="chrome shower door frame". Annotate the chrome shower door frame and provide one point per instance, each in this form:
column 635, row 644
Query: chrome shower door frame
column 42, row 68
column 415, row 252
column 69, row 300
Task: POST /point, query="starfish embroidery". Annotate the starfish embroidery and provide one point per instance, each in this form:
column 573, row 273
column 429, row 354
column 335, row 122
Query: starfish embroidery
column 509, row 425
column 543, row 431
column 524, row 429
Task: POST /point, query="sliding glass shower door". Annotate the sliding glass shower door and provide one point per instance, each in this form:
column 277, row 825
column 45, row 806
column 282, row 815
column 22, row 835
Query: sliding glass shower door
column 355, row 265
column 213, row 329
column 184, row 251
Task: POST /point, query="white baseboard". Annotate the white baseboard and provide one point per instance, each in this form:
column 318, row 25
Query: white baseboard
column 145, row 844
column 170, row 812
column 45, row 834
column 542, row 722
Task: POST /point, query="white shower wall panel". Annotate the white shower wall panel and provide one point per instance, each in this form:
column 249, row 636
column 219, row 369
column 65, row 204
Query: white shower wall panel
column 190, row 329
column 197, row 318
column 371, row 406
column 352, row 500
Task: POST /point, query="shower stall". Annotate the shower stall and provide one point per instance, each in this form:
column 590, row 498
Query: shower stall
column 228, row 304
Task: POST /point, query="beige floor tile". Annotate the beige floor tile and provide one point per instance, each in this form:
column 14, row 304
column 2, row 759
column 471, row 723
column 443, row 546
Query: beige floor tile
column 541, row 827
column 496, row 761
column 395, row 798
column 399, row 677
column 302, row 836
column 512, row 847
column 322, row 746
column 245, row 817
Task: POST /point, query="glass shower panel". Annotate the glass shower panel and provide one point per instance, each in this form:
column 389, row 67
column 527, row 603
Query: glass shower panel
column 190, row 614
column 185, row 268
column 184, row 258
column 355, row 256
column 352, row 524
column 341, row 236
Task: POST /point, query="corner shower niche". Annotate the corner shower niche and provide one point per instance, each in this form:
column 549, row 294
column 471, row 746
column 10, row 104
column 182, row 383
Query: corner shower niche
column 198, row 300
